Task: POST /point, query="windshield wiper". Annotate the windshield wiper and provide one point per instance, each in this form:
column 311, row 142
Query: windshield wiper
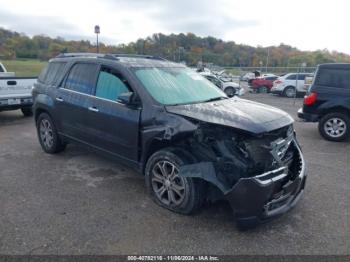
column 215, row 99
column 198, row 102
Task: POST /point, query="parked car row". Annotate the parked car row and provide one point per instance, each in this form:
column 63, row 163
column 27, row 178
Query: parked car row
column 327, row 96
column 288, row 85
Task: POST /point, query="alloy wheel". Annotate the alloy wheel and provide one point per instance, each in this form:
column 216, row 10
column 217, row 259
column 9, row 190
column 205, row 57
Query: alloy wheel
column 335, row 127
column 290, row 92
column 167, row 185
column 46, row 133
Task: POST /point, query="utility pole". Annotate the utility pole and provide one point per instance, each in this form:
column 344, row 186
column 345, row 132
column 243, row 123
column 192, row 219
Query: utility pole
column 267, row 58
column 97, row 31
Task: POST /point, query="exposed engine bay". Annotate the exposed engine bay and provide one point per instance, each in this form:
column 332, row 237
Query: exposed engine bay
column 238, row 155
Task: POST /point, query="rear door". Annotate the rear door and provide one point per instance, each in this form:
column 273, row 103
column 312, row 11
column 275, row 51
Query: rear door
column 113, row 126
column 301, row 82
column 73, row 99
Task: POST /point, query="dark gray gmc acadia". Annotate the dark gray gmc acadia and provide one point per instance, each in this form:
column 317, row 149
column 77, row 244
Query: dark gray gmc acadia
column 190, row 141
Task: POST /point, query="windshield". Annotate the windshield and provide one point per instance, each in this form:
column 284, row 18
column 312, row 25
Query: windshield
column 177, row 85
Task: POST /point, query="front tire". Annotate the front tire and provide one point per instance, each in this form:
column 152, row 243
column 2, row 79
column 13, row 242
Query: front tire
column 335, row 126
column 48, row 136
column 167, row 187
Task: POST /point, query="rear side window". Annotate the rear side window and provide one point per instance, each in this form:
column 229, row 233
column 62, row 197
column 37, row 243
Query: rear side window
column 301, row 77
column 1, row 69
column 110, row 85
column 333, row 78
column 42, row 75
column 52, row 73
column 292, row 77
column 82, row 78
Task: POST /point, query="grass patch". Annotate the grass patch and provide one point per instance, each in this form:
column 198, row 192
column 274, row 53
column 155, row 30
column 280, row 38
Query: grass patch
column 28, row 67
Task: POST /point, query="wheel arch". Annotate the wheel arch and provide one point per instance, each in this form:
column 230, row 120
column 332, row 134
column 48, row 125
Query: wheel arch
column 39, row 111
column 157, row 145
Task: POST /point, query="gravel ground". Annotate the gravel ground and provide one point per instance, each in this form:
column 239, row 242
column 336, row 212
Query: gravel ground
column 78, row 202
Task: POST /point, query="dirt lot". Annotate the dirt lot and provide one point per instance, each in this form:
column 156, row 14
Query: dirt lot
column 78, row 202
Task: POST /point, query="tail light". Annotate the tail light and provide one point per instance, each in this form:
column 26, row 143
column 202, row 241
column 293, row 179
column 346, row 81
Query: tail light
column 310, row 99
column 278, row 82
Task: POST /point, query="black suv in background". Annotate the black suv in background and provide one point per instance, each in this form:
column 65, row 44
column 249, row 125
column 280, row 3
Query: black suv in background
column 190, row 141
column 328, row 101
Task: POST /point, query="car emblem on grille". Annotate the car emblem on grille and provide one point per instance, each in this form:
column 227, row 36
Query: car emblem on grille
column 280, row 148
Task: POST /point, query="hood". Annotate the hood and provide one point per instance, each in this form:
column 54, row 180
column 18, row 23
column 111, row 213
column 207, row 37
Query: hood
column 238, row 113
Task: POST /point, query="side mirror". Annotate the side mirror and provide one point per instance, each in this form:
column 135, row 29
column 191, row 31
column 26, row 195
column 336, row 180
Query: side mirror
column 125, row 98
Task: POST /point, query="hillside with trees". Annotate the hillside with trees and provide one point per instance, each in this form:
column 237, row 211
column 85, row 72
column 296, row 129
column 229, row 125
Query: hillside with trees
column 177, row 47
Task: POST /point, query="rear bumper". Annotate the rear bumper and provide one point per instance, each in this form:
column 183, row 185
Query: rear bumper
column 307, row 116
column 23, row 102
column 261, row 198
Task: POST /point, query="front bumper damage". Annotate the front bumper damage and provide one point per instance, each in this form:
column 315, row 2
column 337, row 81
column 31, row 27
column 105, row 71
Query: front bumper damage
column 259, row 198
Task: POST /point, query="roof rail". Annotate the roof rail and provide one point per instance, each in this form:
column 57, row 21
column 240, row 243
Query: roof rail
column 108, row 56
column 139, row 56
column 94, row 55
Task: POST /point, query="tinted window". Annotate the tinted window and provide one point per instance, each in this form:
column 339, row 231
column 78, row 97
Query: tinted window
column 333, row 77
column 110, row 85
column 1, row 69
column 82, row 78
column 52, row 73
column 42, row 75
column 301, row 77
column 292, row 77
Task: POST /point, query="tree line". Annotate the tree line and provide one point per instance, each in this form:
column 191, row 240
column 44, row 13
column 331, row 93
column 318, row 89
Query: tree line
column 181, row 47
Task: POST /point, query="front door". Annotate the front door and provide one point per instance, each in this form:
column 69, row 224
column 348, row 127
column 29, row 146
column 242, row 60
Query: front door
column 113, row 126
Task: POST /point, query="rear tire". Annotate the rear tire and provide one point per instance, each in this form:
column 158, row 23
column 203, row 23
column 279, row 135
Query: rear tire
column 48, row 136
column 262, row 89
column 27, row 111
column 167, row 188
column 289, row 92
column 334, row 126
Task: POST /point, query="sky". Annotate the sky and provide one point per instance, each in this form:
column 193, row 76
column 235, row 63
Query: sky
column 307, row 25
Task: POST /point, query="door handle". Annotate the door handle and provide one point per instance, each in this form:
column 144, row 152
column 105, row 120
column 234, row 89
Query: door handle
column 59, row 99
column 93, row 109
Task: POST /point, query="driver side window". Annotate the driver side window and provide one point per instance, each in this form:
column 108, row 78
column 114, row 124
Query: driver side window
column 110, row 85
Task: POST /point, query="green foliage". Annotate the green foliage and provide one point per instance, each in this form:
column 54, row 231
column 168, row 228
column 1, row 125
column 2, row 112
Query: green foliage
column 181, row 47
column 24, row 67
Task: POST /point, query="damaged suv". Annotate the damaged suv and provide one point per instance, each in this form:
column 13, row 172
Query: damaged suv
column 192, row 143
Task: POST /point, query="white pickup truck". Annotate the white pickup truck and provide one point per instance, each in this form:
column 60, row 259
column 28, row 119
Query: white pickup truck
column 15, row 92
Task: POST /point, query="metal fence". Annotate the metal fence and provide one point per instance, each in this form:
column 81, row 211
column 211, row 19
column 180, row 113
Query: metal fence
column 272, row 70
